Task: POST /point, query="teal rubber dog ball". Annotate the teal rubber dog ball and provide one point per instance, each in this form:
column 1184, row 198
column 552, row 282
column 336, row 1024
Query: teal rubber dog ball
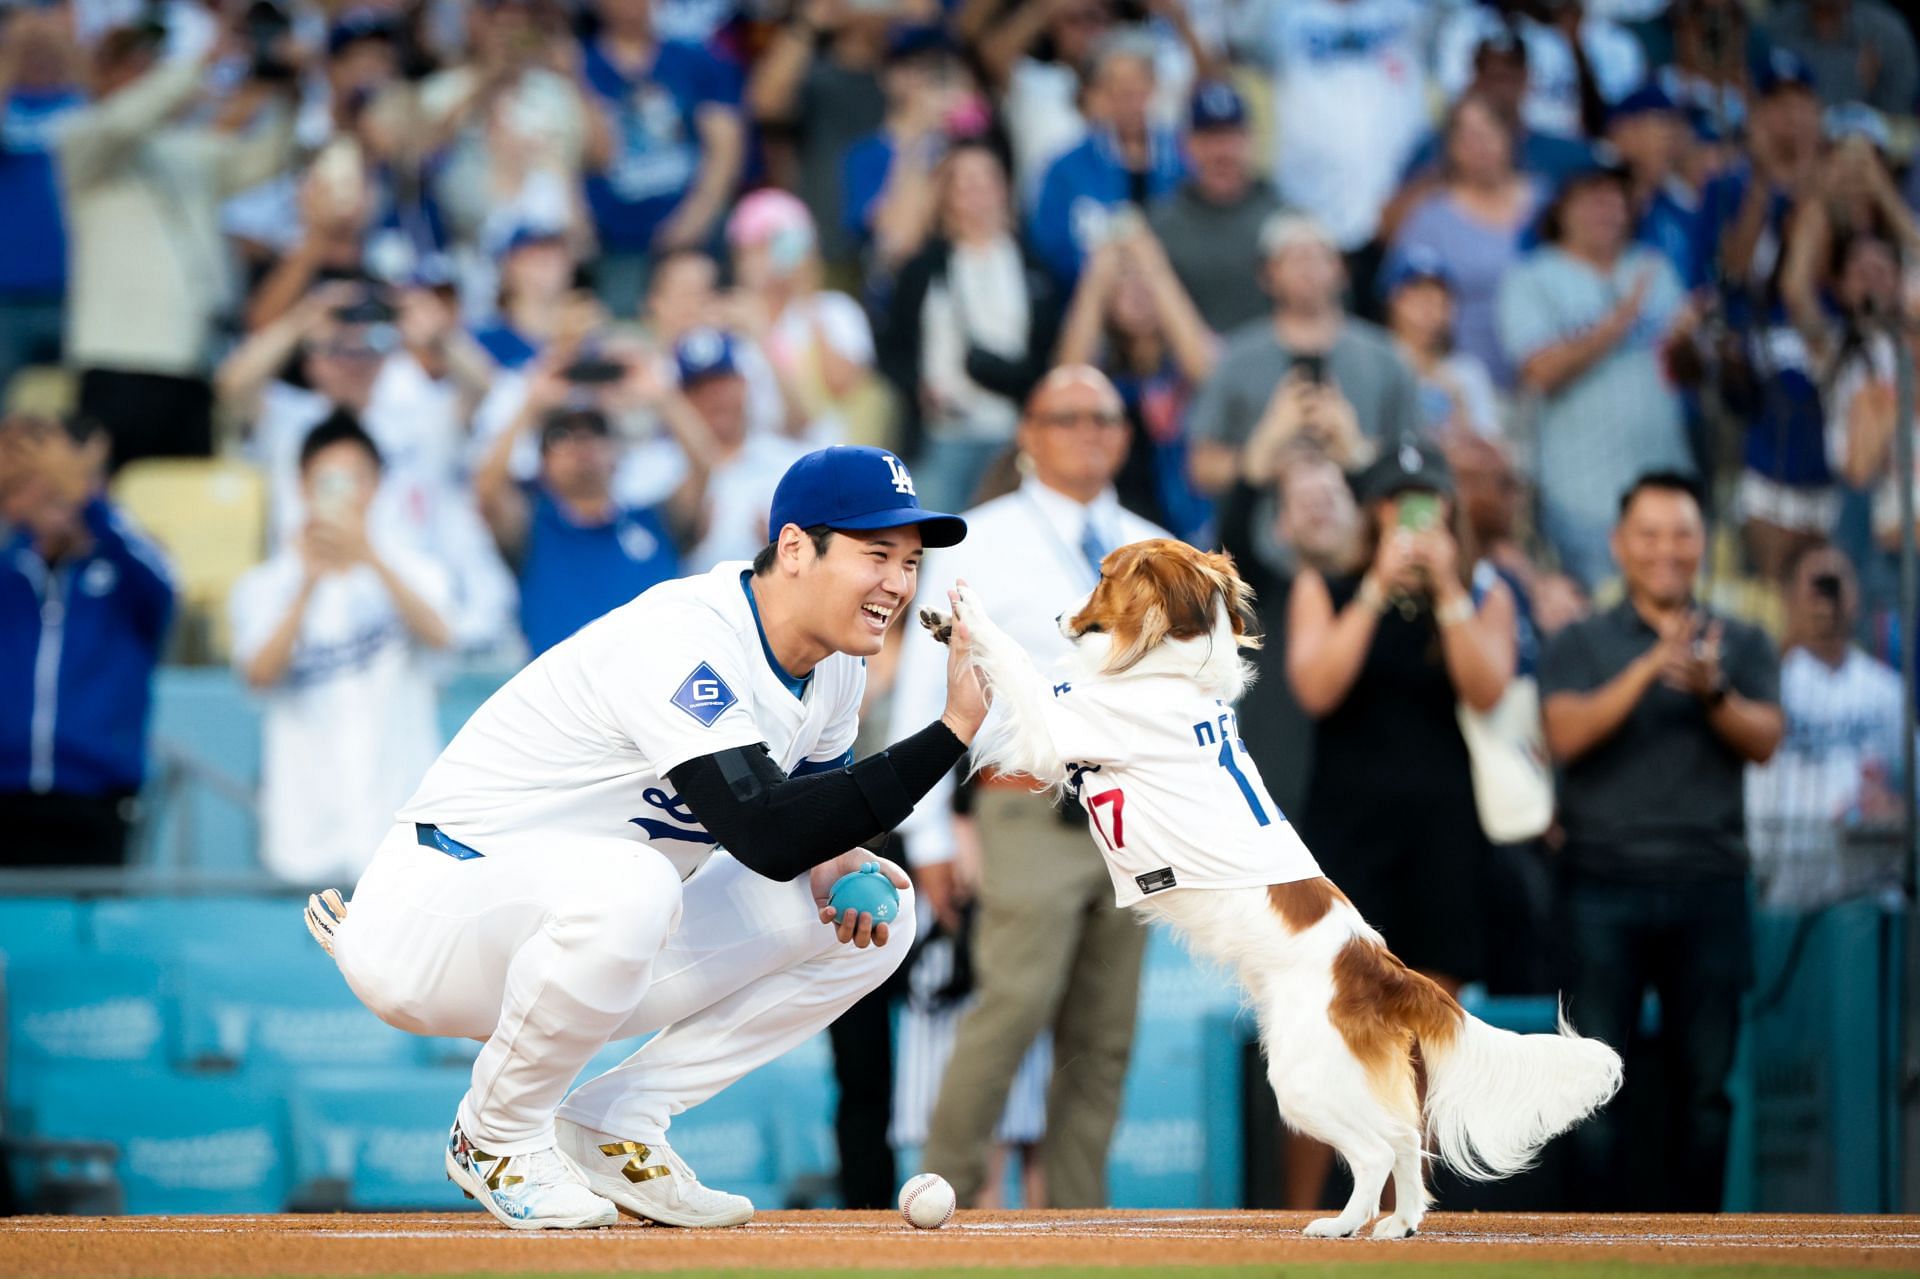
column 865, row 891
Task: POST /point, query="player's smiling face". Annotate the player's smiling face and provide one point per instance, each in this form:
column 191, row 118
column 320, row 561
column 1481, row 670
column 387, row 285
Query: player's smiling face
column 861, row 585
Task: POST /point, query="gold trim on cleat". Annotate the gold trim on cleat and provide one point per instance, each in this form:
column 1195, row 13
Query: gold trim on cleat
column 633, row 1170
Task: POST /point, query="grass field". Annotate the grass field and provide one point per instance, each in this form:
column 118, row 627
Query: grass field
column 1201, row 1244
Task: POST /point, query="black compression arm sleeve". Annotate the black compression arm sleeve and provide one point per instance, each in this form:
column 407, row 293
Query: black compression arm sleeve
column 780, row 826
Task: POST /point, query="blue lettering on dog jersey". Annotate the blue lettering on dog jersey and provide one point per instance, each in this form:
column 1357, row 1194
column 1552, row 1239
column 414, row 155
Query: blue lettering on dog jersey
column 704, row 695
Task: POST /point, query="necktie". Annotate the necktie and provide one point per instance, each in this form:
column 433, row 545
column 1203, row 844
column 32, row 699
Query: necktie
column 1092, row 547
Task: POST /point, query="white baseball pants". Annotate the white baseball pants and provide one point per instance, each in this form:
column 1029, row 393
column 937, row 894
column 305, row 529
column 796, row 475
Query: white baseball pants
column 550, row 946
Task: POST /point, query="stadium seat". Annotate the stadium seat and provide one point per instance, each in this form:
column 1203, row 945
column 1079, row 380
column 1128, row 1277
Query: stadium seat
column 374, row 1139
column 210, row 514
column 187, row 1144
column 275, row 1010
column 44, row 390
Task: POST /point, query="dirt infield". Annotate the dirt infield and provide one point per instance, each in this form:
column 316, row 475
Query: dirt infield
column 430, row 1244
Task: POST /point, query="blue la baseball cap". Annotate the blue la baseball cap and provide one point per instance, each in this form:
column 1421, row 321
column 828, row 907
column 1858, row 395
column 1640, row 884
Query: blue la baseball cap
column 526, row 233
column 1783, row 69
column 705, row 353
column 855, row 487
column 1216, row 105
column 1412, row 264
column 1647, row 99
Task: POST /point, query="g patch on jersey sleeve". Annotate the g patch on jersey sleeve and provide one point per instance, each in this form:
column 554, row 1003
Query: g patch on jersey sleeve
column 704, row 695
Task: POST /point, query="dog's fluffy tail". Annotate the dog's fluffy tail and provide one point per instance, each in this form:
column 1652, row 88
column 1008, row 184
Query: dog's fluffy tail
column 1494, row 1097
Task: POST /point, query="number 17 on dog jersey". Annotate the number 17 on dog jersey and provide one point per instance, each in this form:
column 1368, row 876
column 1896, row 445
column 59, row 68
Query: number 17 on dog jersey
column 1172, row 797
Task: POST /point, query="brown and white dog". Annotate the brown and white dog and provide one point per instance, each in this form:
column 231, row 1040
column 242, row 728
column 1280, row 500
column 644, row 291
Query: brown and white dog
column 1340, row 1016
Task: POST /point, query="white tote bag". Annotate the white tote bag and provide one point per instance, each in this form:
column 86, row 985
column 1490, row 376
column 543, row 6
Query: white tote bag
column 1512, row 778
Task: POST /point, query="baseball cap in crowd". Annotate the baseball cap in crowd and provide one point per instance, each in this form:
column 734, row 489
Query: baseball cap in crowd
column 1782, row 69
column 703, row 354
column 856, row 487
column 1645, row 100
column 1501, row 42
column 1414, row 264
column 909, row 42
column 1410, row 467
column 526, row 233
column 1856, row 120
column 778, row 220
column 355, row 25
column 429, row 271
column 1216, row 105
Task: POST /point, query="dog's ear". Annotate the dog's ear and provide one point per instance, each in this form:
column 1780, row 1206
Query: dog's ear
column 1238, row 598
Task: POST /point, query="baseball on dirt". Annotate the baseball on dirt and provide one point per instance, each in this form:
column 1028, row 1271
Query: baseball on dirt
column 927, row 1201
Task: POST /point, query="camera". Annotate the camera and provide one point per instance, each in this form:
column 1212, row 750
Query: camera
column 370, row 309
column 266, row 26
column 594, row 370
column 1827, row 587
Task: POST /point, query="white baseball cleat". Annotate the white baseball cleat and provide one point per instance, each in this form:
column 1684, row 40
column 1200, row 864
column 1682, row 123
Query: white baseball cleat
column 647, row 1179
column 535, row 1191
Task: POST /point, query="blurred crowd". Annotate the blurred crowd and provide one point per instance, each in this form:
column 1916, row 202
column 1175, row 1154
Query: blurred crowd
column 510, row 309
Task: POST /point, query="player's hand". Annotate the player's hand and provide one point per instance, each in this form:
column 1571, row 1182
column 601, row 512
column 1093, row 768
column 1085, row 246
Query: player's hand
column 858, row 929
column 967, row 698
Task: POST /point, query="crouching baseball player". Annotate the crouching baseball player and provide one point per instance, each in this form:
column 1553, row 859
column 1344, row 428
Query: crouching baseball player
column 556, row 882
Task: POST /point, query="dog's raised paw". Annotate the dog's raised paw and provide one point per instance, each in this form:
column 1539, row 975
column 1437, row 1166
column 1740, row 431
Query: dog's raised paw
column 939, row 625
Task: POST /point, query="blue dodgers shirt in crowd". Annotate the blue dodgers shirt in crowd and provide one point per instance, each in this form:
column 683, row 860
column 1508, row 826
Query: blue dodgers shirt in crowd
column 509, row 347
column 1070, row 215
column 572, row 573
column 863, row 175
column 78, row 644
column 33, row 240
column 656, row 147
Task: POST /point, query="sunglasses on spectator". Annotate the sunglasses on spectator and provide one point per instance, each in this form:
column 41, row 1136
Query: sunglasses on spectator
column 1098, row 417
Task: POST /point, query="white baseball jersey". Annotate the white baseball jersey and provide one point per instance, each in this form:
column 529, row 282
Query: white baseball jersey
column 1172, row 795
column 350, row 727
column 582, row 739
column 1331, row 160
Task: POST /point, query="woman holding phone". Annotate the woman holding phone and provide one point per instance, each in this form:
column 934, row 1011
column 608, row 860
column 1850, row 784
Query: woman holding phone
column 1380, row 658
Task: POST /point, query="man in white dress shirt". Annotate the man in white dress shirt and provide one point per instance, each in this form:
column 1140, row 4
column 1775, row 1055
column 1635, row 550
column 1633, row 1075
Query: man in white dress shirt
column 1050, row 948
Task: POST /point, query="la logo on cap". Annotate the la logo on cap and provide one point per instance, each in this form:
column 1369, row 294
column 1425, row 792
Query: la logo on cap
column 902, row 482
column 1409, row 457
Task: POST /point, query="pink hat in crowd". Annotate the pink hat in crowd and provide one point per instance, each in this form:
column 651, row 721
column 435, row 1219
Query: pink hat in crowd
column 777, row 220
column 766, row 213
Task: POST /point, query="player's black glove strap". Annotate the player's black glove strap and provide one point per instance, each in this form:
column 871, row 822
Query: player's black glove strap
column 781, row 827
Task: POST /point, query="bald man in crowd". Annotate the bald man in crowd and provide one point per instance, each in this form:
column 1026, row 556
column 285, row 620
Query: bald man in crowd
column 1050, row 949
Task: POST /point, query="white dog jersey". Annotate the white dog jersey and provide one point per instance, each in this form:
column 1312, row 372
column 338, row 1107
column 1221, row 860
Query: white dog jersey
column 1172, row 795
column 582, row 739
